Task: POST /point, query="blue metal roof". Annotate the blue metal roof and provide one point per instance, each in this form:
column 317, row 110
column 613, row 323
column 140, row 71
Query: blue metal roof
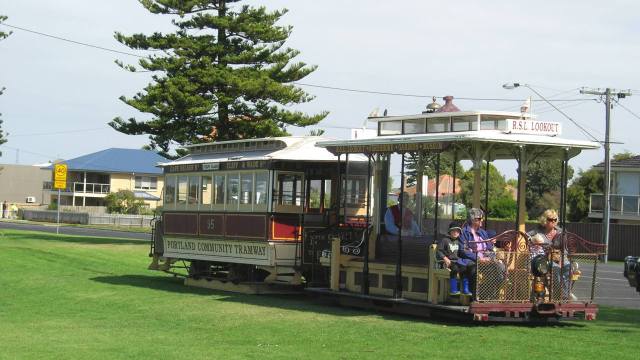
column 117, row 160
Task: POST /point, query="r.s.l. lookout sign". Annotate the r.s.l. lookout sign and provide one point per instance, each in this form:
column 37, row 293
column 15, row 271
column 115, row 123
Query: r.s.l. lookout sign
column 534, row 127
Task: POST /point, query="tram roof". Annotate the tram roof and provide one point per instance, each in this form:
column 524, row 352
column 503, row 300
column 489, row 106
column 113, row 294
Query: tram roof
column 293, row 148
column 505, row 114
column 502, row 144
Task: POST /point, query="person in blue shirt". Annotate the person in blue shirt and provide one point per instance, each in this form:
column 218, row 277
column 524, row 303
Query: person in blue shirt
column 478, row 250
column 393, row 223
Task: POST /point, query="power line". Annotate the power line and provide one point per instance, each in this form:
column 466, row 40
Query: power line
column 59, row 132
column 417, row 95
column 296, row 83
column 627, row 109
column 73, row 41
column 27, row 151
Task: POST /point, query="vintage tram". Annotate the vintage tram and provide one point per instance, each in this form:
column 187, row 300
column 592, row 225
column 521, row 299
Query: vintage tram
column 236, row 210
column 266, row 215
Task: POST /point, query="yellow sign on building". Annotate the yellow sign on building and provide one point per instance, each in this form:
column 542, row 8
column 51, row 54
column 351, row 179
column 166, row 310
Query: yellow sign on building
column 60, row 176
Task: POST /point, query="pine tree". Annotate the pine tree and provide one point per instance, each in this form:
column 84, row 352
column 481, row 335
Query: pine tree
column 3, row 35
column 224, row 74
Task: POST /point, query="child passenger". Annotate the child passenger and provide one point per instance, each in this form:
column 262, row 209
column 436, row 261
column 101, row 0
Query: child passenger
column 449, row 249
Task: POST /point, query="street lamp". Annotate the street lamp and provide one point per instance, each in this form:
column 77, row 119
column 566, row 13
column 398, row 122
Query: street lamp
column 511, row 86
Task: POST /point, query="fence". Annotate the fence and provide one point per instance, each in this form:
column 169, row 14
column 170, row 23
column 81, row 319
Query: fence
column 86, row 218
column 121, row 220
column 624, row 239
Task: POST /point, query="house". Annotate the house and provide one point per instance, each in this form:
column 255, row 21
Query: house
column 90, row 178
column 22, row 184
column 625, row 192
column 445, row 186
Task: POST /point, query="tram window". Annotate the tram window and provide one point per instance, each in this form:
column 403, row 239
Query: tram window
column 414, row 126
column 492, row 122
column 315, row 194
column 206, row 190
column 440, row 124
column 464, row 123
column 182, row 189
column 355, row 191
column 262, row 180
column 194, row 183
column 233, row 189
column 170, row 190
column 246, row 188
column 327, row 194
column 218, row 189
column 391, row 127
column 289, row 189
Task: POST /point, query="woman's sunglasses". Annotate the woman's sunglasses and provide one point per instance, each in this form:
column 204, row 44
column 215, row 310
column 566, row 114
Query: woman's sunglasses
column 552, row 219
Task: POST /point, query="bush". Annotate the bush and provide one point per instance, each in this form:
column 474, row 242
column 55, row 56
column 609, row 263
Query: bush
column 124, row 202
column 504, row 208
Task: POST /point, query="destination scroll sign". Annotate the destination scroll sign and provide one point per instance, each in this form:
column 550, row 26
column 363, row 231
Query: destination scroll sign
column 229, row 165
column 387, row 148
column 217, row 250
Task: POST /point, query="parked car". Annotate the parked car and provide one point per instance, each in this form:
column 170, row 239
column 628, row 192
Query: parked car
column 632, row 271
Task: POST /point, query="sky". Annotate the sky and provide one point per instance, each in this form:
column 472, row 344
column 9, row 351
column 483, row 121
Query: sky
column 59, row 96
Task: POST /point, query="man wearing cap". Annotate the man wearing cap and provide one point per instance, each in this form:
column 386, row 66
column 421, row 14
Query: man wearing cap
column 394, row 220
column 448, row 252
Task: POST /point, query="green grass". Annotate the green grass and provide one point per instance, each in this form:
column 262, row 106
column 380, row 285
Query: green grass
column 67, row 297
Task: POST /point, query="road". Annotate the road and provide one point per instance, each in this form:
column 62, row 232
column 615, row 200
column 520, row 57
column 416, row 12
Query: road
column 612, row 287
column 75, row 230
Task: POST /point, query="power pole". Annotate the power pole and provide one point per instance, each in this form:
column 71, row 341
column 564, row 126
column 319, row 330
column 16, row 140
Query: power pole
column 607, row 93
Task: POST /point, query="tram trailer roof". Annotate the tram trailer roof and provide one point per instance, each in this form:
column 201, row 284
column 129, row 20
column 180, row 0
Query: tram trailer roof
column 288, row 148
column 503, row 144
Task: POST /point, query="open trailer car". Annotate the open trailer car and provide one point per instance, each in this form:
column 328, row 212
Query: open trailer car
column 254, row 215
column 401, row 273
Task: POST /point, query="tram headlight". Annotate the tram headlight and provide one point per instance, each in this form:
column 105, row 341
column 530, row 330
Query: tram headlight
column 540, row 265
column 538, row 287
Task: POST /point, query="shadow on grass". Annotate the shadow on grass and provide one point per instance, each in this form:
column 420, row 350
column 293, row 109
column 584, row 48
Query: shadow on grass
column 79, row 239
column 296, row 302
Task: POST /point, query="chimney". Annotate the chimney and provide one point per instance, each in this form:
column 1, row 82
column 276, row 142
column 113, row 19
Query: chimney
column 448, row 105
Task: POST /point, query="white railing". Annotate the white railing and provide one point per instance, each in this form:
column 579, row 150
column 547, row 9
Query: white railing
column 91, row 188
column 620, row 204
column 79, row 187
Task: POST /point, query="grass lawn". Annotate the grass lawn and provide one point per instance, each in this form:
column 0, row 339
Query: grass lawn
column 68, row 297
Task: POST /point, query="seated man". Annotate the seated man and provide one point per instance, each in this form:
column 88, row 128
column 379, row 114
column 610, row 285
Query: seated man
column 392, row 221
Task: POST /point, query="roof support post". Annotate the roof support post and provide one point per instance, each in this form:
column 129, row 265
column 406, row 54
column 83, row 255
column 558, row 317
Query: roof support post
column 419, row 188
column 367, row 233
column 477, row 177
column 453, row 193
column 563, row 190
column 338, row 188
column 397, row 291
column 346, row 187
column 486, row 195
column 437, row 202
column 523, row 163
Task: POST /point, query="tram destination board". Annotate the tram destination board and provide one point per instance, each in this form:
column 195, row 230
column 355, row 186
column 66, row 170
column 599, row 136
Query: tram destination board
column 388, row 148
column 229, row 165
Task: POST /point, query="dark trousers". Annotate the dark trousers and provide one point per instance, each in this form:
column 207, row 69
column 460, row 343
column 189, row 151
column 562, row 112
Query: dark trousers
column 467, row 271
